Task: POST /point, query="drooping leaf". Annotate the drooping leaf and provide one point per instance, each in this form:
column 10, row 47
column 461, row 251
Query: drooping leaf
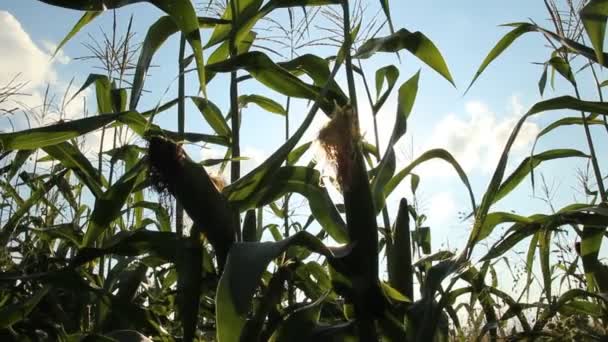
column 86, row 18
column 415, row 42
column 49, row 135
column 542, row 82
column 563, row 67
column 524, row 227
column 391, row 74
column 528, row 164
column 500, row 47
column 262, row 101
column 297, row 153
column 305, row 181
column 103, row 93
column 213, row 116
column 427, row 156
column 318, row 70
column 264, row 70
column 157, row 34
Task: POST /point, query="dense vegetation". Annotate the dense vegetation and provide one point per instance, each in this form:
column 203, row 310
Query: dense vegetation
column 92, row 248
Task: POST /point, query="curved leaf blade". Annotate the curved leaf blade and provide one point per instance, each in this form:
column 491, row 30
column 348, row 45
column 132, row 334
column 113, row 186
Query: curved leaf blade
column 415, row 42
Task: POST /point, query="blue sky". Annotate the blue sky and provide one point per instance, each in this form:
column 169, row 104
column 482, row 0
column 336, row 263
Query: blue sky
column 473, row 126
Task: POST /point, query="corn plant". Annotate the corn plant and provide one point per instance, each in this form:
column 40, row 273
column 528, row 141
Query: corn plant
column 90, row 255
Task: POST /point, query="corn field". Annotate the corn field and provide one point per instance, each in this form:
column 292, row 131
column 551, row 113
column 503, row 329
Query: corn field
column 144, row 242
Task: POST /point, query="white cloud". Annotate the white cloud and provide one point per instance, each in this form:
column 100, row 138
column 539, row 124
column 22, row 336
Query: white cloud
column 19, row 54
column 442, row 207
column 24, row 61
column 477, row 140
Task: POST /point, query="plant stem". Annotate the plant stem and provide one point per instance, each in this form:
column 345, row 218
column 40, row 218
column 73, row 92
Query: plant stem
column 352, row 90
column 363, row 206
column 385, row 216
column 235, row 165
column 594, row 161
column 181, row 121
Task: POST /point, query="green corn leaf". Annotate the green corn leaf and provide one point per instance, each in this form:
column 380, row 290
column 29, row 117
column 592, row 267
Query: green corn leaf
column 144, row 128
column 524, row 227
column 17, row 312
column 246, row 263
column 563, row 67
column 249, row 13
column 415, row 42
column 317, row 69
column 496, row 218
column 86, row 18
column 162, row 216
column 108, row 205
column 36, row 196
column 160, row 108
column 127, row 336
column 103, row 92
column 566, row 122
column 245, row 17
column 500, row 47
column 387, row 13
column 64, row 232
column 156, row 36
column 594, row 16
column 295, row 155
column 563, row 102
column 213, row 116
column 596, row 273
column 247, row 185
column 71, row 158
column 300, row 324
column 264, row 103
column 264, row 70
column 386, row 168
column 528, row 165
column 429, row 155
column 181, row 11
column 390, row 73
column 18, row 161
column 223, row 51
column 305, row 181
column 54, row 134
column 542, row 82
column 134, row 243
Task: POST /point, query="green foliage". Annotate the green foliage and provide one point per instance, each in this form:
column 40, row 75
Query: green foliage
column 91, row 253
